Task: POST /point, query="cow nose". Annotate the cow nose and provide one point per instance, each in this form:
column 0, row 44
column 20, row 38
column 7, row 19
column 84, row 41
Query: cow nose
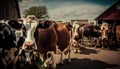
column 29, row 45
column 28, row 61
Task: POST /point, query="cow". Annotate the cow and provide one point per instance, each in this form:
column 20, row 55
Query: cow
column 78, row 34
column 9, row 39
column 89, row 31
column 75, row 35
column 64, row 33
column 48, row 37
column 9, row 35
column 93, row 34
column 104, row 33
column 21, row 34
column 29, row 44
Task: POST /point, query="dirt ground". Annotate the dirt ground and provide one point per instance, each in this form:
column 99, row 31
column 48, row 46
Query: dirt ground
column 92, row 58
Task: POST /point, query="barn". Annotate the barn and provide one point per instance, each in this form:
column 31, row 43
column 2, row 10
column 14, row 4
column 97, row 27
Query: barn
column 9, row 10
column 111, row 15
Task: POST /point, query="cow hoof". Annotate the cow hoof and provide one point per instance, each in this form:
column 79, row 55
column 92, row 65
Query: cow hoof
column 95, row 47
column 51, row 67
column 102, row 47
column 69, row 61
column 61, row 64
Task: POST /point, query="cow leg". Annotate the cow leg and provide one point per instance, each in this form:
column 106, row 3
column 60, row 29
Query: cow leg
column 102, row 44
column 4, row 63
column 96, row 41
column 54, row 61
column 61, row 58
column 69, row 50
column 77, row 47
column 51, row 61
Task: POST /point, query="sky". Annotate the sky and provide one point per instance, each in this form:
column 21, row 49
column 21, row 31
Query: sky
column 66, row 10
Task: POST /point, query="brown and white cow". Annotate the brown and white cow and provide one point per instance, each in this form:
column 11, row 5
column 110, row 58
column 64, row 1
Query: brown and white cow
column 75, row 37
column 64, row 33
column 49, row 35
column 78, row 34
column 104, row 33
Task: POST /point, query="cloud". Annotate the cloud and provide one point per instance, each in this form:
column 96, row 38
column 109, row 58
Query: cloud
column 66, row 10
column 82, row 11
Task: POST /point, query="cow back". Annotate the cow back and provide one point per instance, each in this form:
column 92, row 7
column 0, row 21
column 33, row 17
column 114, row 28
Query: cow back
column 63, row 36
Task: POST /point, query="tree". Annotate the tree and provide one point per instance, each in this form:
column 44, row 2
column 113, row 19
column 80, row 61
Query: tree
column 39, row 11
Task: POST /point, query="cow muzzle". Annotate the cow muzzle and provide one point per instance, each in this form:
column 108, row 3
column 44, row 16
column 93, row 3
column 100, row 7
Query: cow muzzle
column 29, row 45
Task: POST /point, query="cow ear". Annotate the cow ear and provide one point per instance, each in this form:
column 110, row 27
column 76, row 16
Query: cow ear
column 55, row 25
column 69, row 27
column 47, row 23
column 14, row 24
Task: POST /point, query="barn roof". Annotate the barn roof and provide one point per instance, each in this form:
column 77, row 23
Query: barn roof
column 112, row 13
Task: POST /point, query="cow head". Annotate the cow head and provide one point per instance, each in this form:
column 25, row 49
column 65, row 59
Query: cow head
column 29, row 43
column 75, row 28
column 31, row 58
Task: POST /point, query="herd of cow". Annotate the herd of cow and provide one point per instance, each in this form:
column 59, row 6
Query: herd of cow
column 103, row 36
column 33, row 44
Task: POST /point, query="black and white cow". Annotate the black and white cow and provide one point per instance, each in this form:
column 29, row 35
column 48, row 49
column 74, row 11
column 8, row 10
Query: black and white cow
column 10, row 38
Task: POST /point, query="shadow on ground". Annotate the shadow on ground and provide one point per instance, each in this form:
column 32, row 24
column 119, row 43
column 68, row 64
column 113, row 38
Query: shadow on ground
column 87, row 51
column 86, row 64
